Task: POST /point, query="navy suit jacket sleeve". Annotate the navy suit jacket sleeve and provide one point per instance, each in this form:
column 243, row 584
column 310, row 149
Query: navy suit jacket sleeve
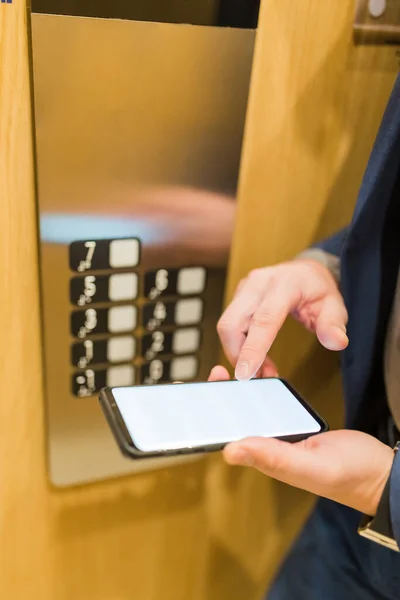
column 334, row 244
column 374, row 197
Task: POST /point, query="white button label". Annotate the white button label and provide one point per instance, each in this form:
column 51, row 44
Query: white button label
column 124, row 253
column 191, row 280
column 188, row 312
column 123, row 286
column 121, row 349
column 120, row 376
column 121, row 318
column 184, row 368
column 185, row 341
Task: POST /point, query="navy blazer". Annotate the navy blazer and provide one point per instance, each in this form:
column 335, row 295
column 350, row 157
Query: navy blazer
column 360, row 248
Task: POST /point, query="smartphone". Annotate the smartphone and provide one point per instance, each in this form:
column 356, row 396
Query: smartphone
column 187, row 418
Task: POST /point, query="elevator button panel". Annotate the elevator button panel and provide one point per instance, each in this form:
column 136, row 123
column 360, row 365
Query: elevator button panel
column 136, row 209
column 118, row 332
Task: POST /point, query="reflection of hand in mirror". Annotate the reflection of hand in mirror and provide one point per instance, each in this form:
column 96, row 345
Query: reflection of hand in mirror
column 179, row 222
column 197, row 222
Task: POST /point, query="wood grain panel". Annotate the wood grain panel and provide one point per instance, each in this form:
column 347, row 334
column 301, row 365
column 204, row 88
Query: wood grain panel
column 202, row 531
column 141, row 537
column 24, row 524
column 315, row 105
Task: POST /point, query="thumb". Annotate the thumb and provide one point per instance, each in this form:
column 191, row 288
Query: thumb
column 331, row 323
column 291, row 463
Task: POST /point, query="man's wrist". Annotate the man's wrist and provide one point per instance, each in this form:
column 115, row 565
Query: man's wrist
column 330, row 261
column 378, row 528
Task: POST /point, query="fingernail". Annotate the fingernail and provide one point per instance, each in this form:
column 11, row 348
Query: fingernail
column 242, row 370
column 337, row 344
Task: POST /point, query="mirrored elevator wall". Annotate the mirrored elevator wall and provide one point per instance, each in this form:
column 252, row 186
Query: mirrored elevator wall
column 138, row 132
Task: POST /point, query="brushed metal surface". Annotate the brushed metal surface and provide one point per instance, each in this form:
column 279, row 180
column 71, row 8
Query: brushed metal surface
column 139, row 130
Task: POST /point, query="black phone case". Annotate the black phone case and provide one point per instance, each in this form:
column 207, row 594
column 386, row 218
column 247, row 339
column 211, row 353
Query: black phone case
column 128, row 449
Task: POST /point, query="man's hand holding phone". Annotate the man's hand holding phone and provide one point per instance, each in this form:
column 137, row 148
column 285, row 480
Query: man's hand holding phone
column 349, row 467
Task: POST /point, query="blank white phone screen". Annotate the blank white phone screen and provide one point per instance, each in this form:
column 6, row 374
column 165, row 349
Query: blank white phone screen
column 177, row 416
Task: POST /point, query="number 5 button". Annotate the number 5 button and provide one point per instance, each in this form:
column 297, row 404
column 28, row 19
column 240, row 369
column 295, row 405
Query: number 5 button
column 104, row 288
